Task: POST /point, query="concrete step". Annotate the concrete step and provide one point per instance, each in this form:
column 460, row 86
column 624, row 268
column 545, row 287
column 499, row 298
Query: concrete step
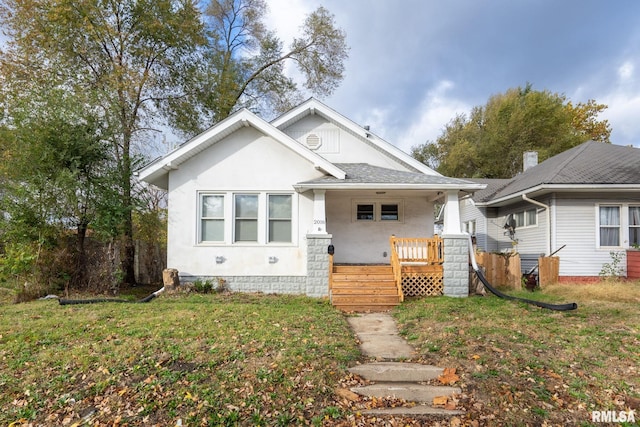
column 410, row 392
column 417, row 410
column 396, row 372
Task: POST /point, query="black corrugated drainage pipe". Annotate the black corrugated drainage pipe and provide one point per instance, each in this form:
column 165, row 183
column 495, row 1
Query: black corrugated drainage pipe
column 97, row 300
column 557, row 307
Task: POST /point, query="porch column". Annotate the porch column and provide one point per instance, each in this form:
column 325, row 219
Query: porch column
column 319, row 225
column 451, row 223
column 318, row 265
column 318, row 242
column 455, row 275
column 456, row 250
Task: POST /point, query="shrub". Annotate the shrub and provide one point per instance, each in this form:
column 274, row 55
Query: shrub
column 207, row 286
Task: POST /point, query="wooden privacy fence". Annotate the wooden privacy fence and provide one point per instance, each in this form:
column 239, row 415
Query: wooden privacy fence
column 501, row 269
column 417, row 265
column 548, row 270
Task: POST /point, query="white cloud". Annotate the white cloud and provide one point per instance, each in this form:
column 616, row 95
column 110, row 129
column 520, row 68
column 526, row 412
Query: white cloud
column 428, row 121
column 286, row 17
column 623, row 101
column 625, row 71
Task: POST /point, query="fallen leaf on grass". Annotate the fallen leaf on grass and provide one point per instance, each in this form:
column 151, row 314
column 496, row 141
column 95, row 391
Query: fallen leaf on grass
column 448, row 376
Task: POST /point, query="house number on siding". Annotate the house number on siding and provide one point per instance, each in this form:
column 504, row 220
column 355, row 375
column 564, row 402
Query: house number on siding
column 319, row 221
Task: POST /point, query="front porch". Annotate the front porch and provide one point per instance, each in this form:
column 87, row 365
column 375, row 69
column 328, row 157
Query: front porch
column 416, row 269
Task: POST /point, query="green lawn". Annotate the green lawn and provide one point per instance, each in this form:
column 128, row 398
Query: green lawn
column 277, row 360
column 523, row 365
column 201, row 359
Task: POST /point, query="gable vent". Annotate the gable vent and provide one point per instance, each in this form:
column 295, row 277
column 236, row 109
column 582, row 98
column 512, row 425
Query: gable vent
column 313, row 141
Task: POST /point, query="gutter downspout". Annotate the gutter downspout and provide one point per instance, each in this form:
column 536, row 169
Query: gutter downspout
column 548, row 217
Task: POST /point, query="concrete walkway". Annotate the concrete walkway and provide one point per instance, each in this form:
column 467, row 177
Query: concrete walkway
column 389, row 375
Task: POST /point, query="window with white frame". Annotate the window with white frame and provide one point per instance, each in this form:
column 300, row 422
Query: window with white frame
column 242, row 218
column 470, row 227
column 634, row 225
column 246, row 218
column 526, row 218
column 280, row 208
column 212, row 218
column 609, row 225
column 377, row 210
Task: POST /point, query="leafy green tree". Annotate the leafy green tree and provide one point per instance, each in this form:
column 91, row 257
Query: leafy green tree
column 57, row 176
column 141, row 65
column 126, row 56
column 244, row 64
column 489, row 143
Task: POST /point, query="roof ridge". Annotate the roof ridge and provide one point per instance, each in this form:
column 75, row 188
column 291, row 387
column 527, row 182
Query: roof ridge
column 578, row 150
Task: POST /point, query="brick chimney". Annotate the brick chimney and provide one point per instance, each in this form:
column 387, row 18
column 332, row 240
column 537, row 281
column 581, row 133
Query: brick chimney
column 529, row 160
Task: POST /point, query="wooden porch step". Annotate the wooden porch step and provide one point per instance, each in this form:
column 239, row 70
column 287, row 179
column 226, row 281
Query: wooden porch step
column 355, row 277
column 356, row 290
column 364, row 288
column 360, row 299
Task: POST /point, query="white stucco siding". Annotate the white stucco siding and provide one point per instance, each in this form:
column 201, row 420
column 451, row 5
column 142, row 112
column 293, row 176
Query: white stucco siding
column 245, row 162
column 577, row 228
column 368, row 241
column 339, row 145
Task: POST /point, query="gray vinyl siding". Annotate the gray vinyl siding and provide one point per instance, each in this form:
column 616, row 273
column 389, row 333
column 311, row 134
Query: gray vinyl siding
column 576, row 227
column 531, row 240
column 574, row 223
column 470, row 212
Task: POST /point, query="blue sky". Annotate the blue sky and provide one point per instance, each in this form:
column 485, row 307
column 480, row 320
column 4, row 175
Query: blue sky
column 415, row 64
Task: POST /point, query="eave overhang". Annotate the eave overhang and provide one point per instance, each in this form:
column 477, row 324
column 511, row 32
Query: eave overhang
column 551, row 188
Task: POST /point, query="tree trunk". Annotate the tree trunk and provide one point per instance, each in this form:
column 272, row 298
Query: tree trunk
column 81, row 256
column 129, row 255
column 129, row 250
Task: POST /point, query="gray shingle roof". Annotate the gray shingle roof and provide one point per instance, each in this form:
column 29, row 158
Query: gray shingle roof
column 589, row 163
column 493, row 186
column 364, row 173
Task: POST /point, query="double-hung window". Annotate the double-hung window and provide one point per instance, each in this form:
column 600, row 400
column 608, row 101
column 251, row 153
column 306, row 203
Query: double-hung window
column 526, row 218
column 470, row 227
column 258, row 218
column 246, row 218
column 280, row 208
column 634, row 225
column 212, row 218
column 609, row 225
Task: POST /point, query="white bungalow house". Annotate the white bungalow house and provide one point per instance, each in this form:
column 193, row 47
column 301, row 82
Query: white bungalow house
column 259, row 203
column 583, row 204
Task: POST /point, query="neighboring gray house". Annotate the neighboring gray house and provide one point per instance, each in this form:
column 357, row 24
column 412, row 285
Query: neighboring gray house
column 586, row 199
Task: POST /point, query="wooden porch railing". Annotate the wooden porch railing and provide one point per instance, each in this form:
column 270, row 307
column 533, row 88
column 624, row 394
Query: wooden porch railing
column 412, row 251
